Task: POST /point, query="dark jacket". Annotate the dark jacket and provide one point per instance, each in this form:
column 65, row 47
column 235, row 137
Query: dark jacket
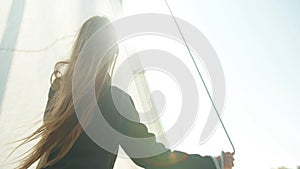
column 86, row 154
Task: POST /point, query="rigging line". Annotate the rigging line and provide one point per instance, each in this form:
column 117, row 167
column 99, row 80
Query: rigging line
column 37, row 50
column 210, row 97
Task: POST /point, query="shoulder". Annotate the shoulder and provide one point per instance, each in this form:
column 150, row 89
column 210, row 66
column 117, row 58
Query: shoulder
column 119, row 98
column 115, row 94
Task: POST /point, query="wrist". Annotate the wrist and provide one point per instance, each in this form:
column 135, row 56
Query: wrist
column 219, row 161
column 216, row 162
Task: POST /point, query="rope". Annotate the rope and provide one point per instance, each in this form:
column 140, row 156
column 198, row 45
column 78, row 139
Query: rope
column 210, row 97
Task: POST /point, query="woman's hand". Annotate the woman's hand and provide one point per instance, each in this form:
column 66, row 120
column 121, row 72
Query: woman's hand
column 228, row 160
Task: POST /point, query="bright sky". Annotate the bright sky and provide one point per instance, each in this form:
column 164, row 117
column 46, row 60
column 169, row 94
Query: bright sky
column 258, row 45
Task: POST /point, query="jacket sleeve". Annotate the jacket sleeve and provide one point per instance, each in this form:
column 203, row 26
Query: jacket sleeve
column 167, row 158
column 50, row 96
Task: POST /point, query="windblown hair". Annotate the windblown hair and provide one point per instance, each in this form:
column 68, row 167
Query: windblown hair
column 61, row 127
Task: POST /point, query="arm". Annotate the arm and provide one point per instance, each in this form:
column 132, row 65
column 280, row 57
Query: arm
column 51, row 93
column 50, row 96
column 165, row 159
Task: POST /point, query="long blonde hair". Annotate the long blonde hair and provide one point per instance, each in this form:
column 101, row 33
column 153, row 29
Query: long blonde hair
column 61, row 126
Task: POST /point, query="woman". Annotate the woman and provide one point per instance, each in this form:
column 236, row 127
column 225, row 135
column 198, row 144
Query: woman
column 64, row 144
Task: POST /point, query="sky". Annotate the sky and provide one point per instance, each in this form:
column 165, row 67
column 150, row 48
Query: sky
column 257, row 43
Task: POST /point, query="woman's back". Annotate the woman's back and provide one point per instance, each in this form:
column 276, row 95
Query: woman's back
column 85, row 153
